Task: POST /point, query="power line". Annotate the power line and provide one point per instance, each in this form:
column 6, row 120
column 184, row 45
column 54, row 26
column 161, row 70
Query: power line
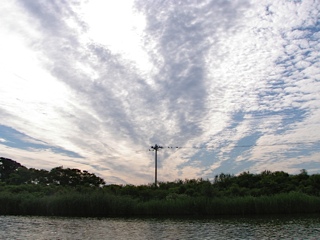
column 157, row 147
column 230, row 144
column 246, row 145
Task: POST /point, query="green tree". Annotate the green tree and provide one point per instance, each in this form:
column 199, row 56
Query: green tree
column 7, row 166
column 73, row 177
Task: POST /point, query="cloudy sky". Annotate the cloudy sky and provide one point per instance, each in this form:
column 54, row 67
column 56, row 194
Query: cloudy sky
column 93, row 84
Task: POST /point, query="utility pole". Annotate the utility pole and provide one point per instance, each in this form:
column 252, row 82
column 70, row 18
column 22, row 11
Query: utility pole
column 155, row 148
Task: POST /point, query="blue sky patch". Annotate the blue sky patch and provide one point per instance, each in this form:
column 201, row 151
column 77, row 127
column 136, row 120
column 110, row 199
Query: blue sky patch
column 15, row 139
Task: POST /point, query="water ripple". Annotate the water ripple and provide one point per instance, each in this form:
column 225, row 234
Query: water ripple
column 19, row 227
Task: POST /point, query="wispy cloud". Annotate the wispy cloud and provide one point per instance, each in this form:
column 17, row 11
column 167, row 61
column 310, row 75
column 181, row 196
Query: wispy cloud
column 234, row 83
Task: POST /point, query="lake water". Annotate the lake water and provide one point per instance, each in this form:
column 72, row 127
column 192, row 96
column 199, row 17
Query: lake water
column 272, row 227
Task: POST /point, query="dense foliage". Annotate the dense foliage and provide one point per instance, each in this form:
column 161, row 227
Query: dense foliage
column 14, row 173
column 71, row 192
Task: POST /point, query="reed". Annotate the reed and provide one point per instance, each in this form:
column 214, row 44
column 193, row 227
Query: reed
column 88, row 205
column 102, row 204
column 287, row 203
column 9, row 203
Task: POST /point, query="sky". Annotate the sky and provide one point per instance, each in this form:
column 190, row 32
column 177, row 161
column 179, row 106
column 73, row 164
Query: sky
column 92, row 85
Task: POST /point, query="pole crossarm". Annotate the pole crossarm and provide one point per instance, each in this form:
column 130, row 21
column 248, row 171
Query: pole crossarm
column 155, row 147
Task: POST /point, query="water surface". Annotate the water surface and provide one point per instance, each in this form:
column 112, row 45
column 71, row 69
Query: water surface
column 274, row 227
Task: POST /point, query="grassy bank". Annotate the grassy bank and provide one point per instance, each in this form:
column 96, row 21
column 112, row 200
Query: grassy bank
column 72, row 192
column 102, row 204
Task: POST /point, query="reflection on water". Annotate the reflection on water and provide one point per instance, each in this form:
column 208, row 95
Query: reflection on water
column 293, row 227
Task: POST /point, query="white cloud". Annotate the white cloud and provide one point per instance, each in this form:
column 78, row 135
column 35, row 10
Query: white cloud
column 105, row 80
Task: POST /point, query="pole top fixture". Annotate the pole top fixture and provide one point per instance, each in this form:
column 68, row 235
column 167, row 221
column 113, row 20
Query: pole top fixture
column 156, row 147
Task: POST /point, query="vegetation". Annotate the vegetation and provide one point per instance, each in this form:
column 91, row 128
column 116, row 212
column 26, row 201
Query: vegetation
column 14, row 173
column 71, row 192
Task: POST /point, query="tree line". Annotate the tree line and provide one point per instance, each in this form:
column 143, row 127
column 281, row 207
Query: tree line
column 72, row 192
column 13, row 173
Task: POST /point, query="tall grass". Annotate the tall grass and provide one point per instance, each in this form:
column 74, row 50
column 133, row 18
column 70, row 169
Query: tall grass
column 72, row 204
column 285, row 203
column 101, row 204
